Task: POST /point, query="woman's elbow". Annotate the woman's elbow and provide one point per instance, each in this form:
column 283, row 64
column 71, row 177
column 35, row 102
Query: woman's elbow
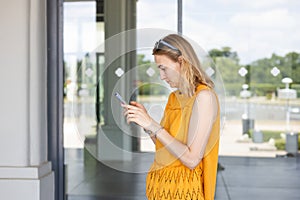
column 191, row 163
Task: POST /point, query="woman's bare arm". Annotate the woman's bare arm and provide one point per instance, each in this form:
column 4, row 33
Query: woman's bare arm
column 203, row 115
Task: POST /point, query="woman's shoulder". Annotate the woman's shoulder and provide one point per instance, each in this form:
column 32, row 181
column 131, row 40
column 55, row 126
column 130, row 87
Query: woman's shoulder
column 202, row 87
column 206, row 94
column 207, row 97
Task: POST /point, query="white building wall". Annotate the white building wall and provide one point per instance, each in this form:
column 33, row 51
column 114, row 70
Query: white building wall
column 25, row 172
column 14, row 73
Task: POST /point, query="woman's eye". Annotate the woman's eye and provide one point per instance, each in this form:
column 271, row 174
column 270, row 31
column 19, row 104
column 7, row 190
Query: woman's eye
column 162, row 68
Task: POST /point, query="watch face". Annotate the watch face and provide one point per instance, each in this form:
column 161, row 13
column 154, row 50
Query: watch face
column 147, row 131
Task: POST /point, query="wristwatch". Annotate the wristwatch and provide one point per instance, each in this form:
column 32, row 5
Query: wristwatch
column 153, row 133
column 148, row 132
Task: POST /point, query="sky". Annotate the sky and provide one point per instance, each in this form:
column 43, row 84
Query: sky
column 254, row 29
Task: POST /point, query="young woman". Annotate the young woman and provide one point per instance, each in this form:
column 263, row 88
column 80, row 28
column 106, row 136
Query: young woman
column 187, row 138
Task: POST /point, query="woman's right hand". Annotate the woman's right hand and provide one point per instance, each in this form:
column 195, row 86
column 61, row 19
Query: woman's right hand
column 137, row 113
column 134, row 103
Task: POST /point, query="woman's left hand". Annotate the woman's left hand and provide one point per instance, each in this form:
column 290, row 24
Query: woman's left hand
column 137, row 113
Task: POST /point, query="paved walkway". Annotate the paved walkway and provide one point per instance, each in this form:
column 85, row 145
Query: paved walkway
column 244, row 178
column 233, row 144
column 248, row 174
column 249, row 178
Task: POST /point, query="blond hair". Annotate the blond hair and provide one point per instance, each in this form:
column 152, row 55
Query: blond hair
column 192, row 73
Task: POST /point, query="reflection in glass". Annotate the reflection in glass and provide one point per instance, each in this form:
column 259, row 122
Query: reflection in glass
column 83, row 33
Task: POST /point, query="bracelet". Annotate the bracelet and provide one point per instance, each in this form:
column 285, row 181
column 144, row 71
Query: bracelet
column 148, row 131
column 155, row 133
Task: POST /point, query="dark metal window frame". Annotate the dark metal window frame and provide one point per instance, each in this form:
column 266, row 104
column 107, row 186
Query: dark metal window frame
column 55, row 77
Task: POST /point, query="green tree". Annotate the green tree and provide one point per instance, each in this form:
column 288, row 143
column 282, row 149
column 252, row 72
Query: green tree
column 292, row 61
column 227, row 62
column 265, row 82
column 224, row 52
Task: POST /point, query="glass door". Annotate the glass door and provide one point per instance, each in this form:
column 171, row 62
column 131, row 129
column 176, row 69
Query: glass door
column 83, row 26
column 83, row 33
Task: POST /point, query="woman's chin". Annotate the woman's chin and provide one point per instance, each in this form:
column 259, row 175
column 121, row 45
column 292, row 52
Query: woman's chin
column 172, row 85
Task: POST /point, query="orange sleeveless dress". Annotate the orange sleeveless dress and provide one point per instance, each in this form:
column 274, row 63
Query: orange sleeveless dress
column 168, row 178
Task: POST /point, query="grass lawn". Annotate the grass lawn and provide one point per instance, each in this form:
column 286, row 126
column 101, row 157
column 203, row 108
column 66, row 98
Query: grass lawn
column 279, row 141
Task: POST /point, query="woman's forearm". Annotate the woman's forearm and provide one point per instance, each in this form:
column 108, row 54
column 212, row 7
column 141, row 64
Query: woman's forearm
column 178, row 149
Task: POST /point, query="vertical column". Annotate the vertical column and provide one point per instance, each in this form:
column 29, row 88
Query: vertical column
column 23, row 134
column 55, row 81
column 119, row 16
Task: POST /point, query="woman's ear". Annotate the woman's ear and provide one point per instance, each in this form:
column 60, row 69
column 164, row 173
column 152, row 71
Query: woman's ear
column 180, row 59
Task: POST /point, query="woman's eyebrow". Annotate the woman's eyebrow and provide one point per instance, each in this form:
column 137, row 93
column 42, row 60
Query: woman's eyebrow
column 159, row 66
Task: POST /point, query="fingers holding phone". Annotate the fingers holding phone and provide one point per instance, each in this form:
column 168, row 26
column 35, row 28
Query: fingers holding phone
column 134, row 112
column 134, row 103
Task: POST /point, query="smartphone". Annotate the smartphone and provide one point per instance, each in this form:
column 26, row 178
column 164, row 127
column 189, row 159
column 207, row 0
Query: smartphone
column 119, row 97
